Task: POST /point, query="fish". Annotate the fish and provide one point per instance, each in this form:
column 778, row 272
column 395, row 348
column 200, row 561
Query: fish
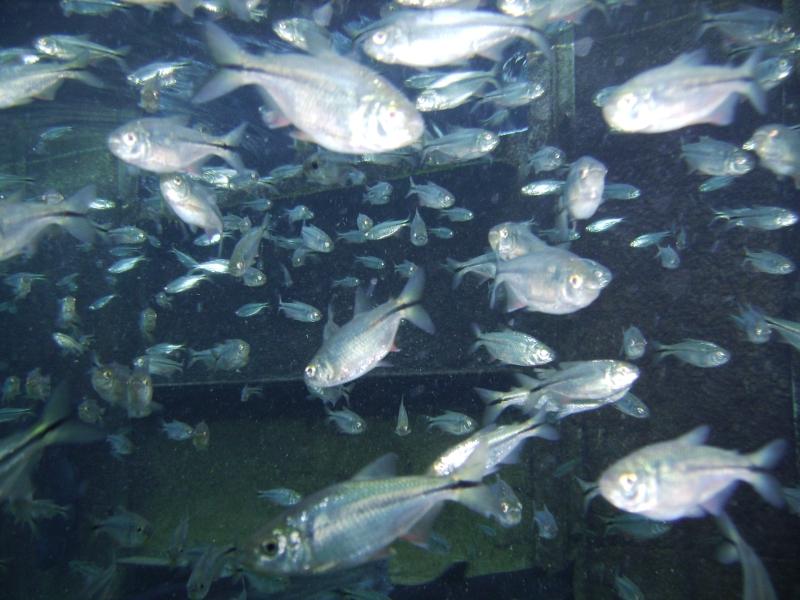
column 715, row 183
column 461, row 145
column 79, row 48
column 346, row 421
column 631, row 405
column 441, row 37
column 765, row 218
column 24, row 83
column 281, row 496
column 768, row 262
column 621, row 191
column 123, row 265
column 299, row 311
column 418, row 230
column 126, row 528
column 547, row 158
column 682, row 93
column 316, row 239
column 684, row 477
column 544, row 187
column 457, row 214
column 371, row 511
column 454, row 423
column 756, row 583
column 250, row 391
column 443, row 233
column 120, row 444
column 626, row 589
column 22, row 224
column 718, row 158
column 193, row 203
column 21, row 451
column 167, row 145
column 670, row 259
column 371, row 262
column 355, row 348
column 583, row 189
column 778, row 149
column 378, row 194
column 604, row 224
column 753, row 323
column 700, row 353
column 298, row 213
column 402, row 429
column 353, row 109
column 206, row 569
column 748, row 25
column 513, row 347
column 406, row 268
column 431, row 195
column 251, row 309
column 503, row 444
column 8, row 415
column 364, row 223
column 177, row 430
column 649, row 239
column 70, row 345
column 636, row 526
column 545, row 523
column 184, row 283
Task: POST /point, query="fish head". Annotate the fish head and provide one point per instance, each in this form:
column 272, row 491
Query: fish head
column 786, row 218
column 629, row 485
column 622, row 375
column 487, row 141
column 279, row 549
column 542, row 354
column 389, row 120
column 130, row 143
column 382, row 43
column 582, row 280
column 740, row 162
column 174, row 185
column 718, row 357
column 46, row 45
column 319, row 373
column 628, row 110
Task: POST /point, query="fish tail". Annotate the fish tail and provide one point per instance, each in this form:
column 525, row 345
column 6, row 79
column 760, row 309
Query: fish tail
column 222, row 83
column 492, row 411
column 75, row 220
column 538, row 428
column 409, row 298
column 224, row 50
column 766, row 458
column 754, row 91
column 87, row 78
column 234, row 137
column 488, row 396
column 482, row 500
column 187, row 7
column 706, row 20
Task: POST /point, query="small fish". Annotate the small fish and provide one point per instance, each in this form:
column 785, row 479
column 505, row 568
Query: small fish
column 402, row 428
column 631, row 405
column 177, row 430
column 636, row 526
column 604, row 224
column 124, row 265
column 717, row 158
column 70, row 345
column 364, row 223
column 184, row 283
column 686, row 478
column 718, row 182
column 418, row 230
column 8, row 415
column 252, row 309
column 378, row 194
column 547, row 158
column 316, row 239
column 102, row 302
column 431, row 195
column 206, row 570
column 385, row 229
column 649, row 239
column 202, row 436
column 545, row 523
column 371, row 262
column 626, row 589
column 126, row 528
column 346, row 282
column 768, row 262
column 457, row 214
column 443, row 233
column 281, row 496
column 699, row 353
column 583, row 189
column 778, row 148
column 406, row 269
column 452, row 422
column 753, row 323
column 669, row 257
column 621, row 191
column 513, row 347
column 544, row 187
column 299, row 311
column 250, row 391
column 765, row 218
column 120, row 444
column 346, row 421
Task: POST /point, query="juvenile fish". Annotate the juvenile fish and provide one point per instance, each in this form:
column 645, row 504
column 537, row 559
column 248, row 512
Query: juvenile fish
column 699, row 353
column 299, row 311
column 402, row 429
column 514, row 347
column 768, row 262
column 280, row 496
column 452, row 422
column 346, row 421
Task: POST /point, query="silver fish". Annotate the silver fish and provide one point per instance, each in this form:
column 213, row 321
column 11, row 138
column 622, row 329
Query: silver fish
column 583, row 189
column 21, row 84
column 714, row 157
column 299, row 311
column 252, row 309
column 682, row 93
column 167, row 145
column 633, row 343
column 630, row 404
column 402, row 428
column 454, row 423
column 769, row 262
column 193, row 203
column 353, row 109
column 418, row 230
column 514, row 347
column 280, row 496
column 699, row 353
column 685, row 478
column 778, row 148
column 355, row 348
column 346, row 421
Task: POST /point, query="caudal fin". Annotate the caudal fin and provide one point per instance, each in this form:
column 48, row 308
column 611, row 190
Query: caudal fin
column 766, row 485
column 754, row 91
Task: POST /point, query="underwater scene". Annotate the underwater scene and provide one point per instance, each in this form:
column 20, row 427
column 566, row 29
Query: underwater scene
column 410, row 299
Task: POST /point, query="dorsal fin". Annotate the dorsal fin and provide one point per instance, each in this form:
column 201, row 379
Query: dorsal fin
column 385, row 466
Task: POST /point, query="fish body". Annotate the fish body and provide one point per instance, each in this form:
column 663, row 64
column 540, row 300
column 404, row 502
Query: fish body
column 341, row 105
column 649, row 239
column 604, row 224
column 21, row 84
column 583, row 190
column 699, row 353
column 454, row 423
column 514, row 347
column 686, row 478
column 769, row 262
column 631, row 405
column 177, row 430
column 753, row 323
column 359, row 345
column 346, row 421
column 126, row 528
column 668, row 256
column 251, row 309
column 682, row 93
column 418, row 230
column 281, row 496
column 431, row 195
column 23, row 223
column 167, row 145
column 402, row 428
column 545, row 523
column 714, row 157
column 300, row 311
column 192, row 202
column 544, row 187
column 778, row 149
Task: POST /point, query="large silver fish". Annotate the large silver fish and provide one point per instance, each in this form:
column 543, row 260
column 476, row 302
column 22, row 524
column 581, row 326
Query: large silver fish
column 23, row 223
column 685, row 478
column 335, row 102
column 353, row 522
column 355, row 348
column 443, row 37
column 682, row 93
column 21, row 84
column 167, row 145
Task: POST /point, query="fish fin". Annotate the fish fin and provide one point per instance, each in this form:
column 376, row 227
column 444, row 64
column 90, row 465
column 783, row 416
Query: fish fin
column 696, row 437
column 412, row 292
column 187, row 7
column 49, row 93
column 474, row 468
column 385, row 466
column 768, row 488
column 687, row 59
column 493, row 411
column 513, row 300
column 724, row 113
column 482, row 500
column 74, row 432
column 361, row 302
column 90, row 79
column 419, row 317
column 234, row 137
column 754, row 92
column 57, row 408
column 583, row 46
column 495, row 53
column 770, row 455
column 727, row 554
column 716, row 504
column 421, row 530
column 385, row 364
column 222, row 83
column 233, row 159
column 526, row 381
column 488, row 396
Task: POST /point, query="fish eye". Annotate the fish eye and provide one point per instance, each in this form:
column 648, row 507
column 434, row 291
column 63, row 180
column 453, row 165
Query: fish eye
column 575, row 280
column 628, row 481
column 503, row 233
column 310, row 370
column 270, row 548
column 177, row 180
column 379, row 37
column 130, row 137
